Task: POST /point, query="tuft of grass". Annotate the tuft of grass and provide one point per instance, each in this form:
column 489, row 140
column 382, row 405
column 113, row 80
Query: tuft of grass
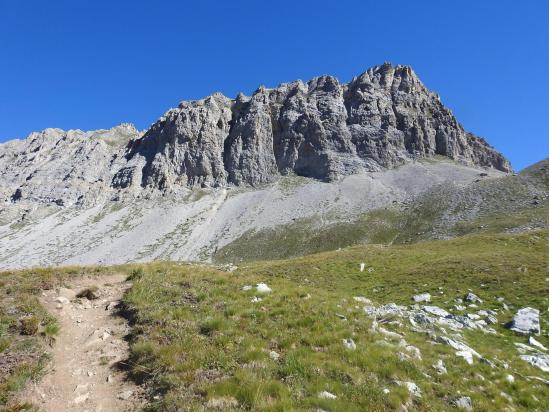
column 29, row 325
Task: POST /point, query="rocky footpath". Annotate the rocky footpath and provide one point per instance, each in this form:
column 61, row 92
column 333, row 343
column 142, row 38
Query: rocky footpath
column 322, row 129
column 90, row 352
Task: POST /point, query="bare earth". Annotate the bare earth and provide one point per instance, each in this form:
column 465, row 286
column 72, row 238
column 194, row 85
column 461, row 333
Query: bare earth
column 83, row 375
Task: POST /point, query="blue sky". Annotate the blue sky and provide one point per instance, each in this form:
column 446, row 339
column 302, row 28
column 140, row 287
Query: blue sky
column 94, row 64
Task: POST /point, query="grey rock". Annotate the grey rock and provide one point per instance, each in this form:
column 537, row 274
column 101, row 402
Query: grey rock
column 423, row 297
column 440, row 368
column 412, row 388
column 435, row 310
column 464, row 403
column 326, row 395
column 471, row 297
column 539, row 360
column 532, row 341
column 349, row 344
column 125, row 395
column 526, row 321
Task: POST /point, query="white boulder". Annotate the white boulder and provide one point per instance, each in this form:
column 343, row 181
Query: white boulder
column 526, row 321
column 263, row 288
column 423, row 297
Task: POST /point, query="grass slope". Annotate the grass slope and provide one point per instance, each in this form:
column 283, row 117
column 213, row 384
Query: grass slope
column 510, row 203
column 200, row 343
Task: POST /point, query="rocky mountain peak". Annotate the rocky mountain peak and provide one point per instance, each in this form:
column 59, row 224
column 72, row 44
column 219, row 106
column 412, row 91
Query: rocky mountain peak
column 321, row 128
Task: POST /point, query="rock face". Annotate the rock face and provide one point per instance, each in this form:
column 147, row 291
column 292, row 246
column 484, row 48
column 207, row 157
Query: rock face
column 65, row 168
column 322, row 129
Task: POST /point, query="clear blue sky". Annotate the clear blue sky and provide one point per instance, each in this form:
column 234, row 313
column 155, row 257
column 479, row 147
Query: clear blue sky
column 94, row 64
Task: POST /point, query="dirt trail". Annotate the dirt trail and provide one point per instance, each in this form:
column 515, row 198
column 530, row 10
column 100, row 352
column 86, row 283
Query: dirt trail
column 83, row 375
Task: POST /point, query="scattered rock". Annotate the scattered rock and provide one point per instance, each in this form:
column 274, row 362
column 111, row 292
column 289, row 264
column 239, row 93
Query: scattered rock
column 391, row 309
column 112, row 305
column 464, row 403
column 349, row 344
column 81, row 398
column 535, row 343
column 471, row 297
column 274, row 355
column 526, row 321
column 326, row 395
column 125, row 395
column 440, row 368
column 468, row 356
column 423, row 297
column 435, row 310
column 462, row 349
column 510, row 378
column 412, row 388
column 263, row 288
column 362, row 299
column 362, row 266
column 413, row 351
column 246, row 287
column 62, row 300
column 491, row 319
column 256, row 299
column 376, row 328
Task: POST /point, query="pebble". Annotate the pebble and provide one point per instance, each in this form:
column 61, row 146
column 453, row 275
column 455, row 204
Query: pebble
column 349, row 344
column 263, row 288
column 464, row 403
column 81, row 399
column 362, row 299
column 535, row 343
column 423, row 297
column 412, row 388
column 125, row 395
column 440, row 368
column 326, row 395
column 63, row 300
column 274, row 355
column 471, row 297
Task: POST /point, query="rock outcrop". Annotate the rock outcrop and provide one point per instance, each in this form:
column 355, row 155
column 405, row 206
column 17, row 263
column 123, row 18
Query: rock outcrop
column 321, row 129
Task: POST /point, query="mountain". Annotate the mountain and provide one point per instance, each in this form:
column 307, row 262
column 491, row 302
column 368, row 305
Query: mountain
column 216, row 175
